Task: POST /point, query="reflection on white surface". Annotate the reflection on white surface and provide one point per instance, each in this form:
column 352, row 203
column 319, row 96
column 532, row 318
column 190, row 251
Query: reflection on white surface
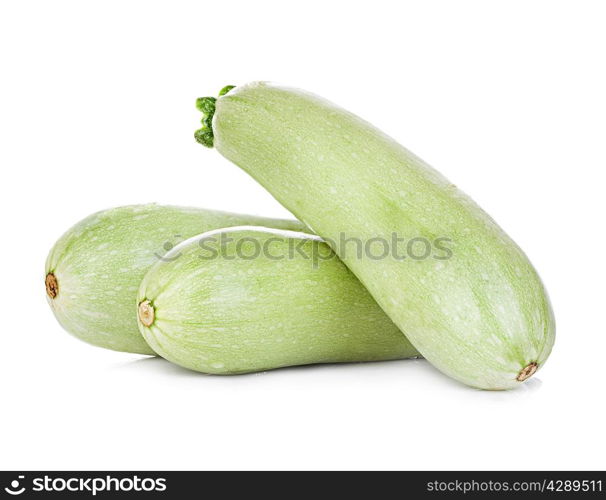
column 405, row 372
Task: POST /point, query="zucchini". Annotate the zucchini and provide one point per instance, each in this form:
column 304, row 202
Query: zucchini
column 94, row 271
column 483, row 316
column 261, row 299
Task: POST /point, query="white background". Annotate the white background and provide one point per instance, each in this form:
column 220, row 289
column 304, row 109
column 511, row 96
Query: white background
column 507, row 99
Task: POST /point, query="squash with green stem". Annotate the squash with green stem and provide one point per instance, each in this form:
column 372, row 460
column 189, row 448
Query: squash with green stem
column 483, row 316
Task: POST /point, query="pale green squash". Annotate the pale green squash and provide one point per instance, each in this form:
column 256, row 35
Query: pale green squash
column 93, row 272
column 260, row 300
column 483, row 316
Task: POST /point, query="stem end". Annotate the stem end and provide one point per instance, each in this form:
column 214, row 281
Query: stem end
column 52, row 285
column 207, row 106
column 527, row 372
column 147, row 313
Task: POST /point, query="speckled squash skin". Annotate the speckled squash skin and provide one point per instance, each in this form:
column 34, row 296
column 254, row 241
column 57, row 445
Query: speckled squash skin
column 483, row 316
column 93, row 272
column 230, row 313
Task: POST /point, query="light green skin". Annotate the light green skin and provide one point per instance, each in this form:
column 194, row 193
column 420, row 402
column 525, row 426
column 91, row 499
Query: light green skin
column 231, row 314
column 481, row 316
column 100, row 262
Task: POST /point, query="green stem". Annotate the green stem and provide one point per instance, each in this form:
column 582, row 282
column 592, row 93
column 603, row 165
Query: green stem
column 225, row 90
column 207, row 106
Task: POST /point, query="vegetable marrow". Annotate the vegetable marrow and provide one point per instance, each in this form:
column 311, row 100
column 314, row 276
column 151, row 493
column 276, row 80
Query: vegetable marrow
column 94, row 271
column 249, row 299
column 481, row 316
